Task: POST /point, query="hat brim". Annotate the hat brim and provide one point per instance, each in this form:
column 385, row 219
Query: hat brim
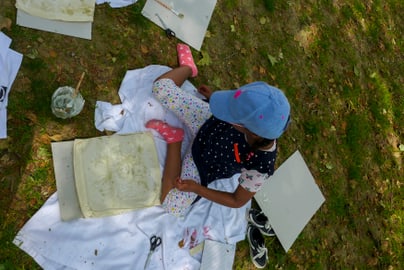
column 219, row 104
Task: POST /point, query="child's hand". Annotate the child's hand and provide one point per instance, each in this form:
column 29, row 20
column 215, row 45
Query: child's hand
column 205, row 91
column 186, row 185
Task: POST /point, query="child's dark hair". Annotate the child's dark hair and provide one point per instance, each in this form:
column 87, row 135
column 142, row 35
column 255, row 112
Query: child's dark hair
column 263, row 142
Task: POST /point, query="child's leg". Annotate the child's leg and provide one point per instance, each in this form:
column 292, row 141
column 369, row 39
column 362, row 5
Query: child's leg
column 179, row 202
column 178, row 75
column 193, row 112
column 174, row 201
column 172, row 168
column 190, row 109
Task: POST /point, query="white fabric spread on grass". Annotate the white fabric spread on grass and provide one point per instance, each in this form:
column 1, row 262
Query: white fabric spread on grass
column 122, row 241
column 10, row 62
column 63, row 10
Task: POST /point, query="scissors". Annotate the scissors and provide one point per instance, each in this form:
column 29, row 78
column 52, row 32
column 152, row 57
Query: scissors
column 169, row 33
column 155, row 241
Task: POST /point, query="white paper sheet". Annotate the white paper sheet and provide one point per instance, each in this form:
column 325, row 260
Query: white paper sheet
column 191, row 29
column 289, row 199
column 75, row 29
column 61, row 10
column 217, row 255
column 62, row 154
column 116, row 174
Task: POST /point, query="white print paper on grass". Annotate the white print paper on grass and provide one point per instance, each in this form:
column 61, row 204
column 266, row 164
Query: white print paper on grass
column 289, row 199
column 63, row 10
column 116, row 173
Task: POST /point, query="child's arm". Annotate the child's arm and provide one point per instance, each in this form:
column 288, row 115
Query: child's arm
column 205, row 91
column 235, row 200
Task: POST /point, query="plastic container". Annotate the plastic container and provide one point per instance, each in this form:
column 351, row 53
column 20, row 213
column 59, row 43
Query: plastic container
column 66, row 102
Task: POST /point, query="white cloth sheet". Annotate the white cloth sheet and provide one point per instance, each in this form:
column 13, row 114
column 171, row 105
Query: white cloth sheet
column 10, row 62
column 122, row 241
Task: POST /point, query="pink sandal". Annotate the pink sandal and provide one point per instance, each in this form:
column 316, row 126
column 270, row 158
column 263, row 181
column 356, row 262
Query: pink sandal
column 185, row 58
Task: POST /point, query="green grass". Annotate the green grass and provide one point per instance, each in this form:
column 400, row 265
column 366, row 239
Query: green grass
column 339, row 63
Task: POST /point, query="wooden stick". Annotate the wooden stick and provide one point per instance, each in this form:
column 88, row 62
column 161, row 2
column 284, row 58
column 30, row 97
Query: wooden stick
column 170, row 9
column 76, row 90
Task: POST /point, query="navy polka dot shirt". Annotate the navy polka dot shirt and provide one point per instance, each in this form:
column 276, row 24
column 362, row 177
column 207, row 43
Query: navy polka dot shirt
column 215, row 154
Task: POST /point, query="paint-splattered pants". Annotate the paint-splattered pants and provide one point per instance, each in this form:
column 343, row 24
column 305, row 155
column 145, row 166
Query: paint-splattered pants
column 193, row 112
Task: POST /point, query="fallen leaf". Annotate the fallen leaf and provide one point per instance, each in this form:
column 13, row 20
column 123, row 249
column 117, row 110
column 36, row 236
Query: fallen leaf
column 44, row 139
column 56, row 138
column 232, row 28
column 329, row 166
column 53, row 54
column 31, row 116
column 33, row 54
column 235, row 21
column 356, row 71
column 144, row 49
column 205, row 61
column 272, row 59
column 263, row 20
column 5, row 23
column 217, row 82
column 307, row 36
column 343, row 126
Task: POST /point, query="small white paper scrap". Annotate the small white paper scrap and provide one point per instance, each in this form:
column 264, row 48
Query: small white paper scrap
column 217, row 255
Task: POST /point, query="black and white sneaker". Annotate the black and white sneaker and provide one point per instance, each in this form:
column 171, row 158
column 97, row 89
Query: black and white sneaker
column 258, row 251
column 259, row 220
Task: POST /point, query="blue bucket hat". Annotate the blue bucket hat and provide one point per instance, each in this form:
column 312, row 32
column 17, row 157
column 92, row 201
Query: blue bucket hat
column 259, row 107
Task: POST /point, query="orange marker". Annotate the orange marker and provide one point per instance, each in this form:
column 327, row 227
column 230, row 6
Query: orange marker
column 236, row 153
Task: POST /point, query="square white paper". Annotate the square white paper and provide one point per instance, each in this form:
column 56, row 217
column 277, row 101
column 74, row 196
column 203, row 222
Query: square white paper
column 191, row 29
column 75, row 29
column 289, row 199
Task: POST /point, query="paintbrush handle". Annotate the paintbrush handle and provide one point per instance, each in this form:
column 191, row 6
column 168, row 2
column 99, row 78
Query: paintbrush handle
column 169, row 8
column 76, row 90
